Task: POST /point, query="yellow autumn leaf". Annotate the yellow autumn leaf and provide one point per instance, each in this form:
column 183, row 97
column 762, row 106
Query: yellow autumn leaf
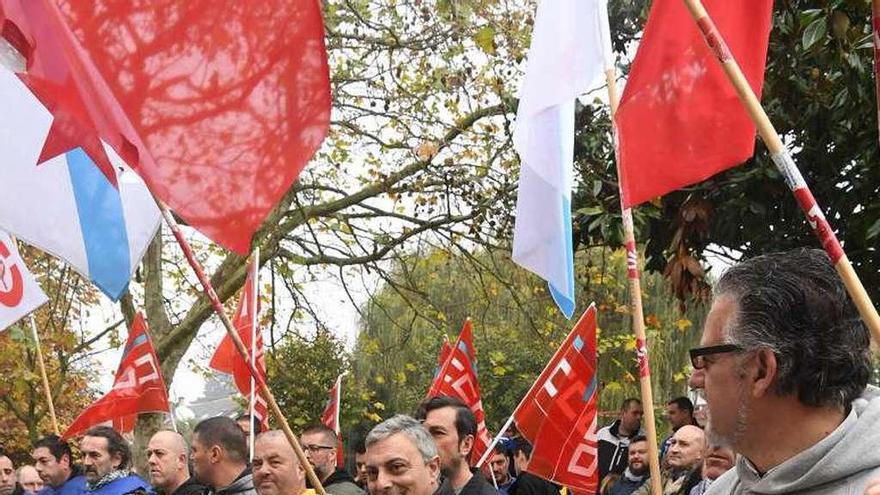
column 683, row 324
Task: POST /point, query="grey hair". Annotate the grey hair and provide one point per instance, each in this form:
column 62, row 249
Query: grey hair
column 410, row 428
column 794, row 304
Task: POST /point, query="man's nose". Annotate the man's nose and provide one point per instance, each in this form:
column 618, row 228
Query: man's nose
column 696, row 379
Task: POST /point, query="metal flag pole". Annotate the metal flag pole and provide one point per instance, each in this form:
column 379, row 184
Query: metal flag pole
column 635, row 292
column 45, row 377
column 785, row 163
column 239, row 346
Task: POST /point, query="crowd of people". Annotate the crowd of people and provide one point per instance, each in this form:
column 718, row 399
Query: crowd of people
column 783, row 364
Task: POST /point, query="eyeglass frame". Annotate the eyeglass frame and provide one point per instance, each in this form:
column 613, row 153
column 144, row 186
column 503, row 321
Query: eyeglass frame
column 316, row 448
column 698, row 354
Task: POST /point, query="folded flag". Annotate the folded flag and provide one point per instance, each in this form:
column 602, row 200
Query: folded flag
column 330, row 418
column 19, row 292
column 571, row 49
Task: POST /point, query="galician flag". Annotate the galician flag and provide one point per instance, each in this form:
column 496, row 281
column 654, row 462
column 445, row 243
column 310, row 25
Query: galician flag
column 571, row 49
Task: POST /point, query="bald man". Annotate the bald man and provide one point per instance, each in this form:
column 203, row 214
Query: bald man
column 685, row 460
column 167, row 456
column 276, row 468
column 29, row 479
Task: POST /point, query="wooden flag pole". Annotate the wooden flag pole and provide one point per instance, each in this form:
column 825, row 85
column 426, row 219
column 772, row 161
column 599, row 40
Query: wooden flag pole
column 42, row 366
column 638, row 314
column 252, row 406
column 785, row 163
column 240, row 347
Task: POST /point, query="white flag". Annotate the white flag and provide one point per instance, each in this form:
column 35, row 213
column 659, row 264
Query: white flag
column 19, row 292
column 571, row 49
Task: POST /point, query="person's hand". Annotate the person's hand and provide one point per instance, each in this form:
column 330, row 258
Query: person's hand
column 873, row 487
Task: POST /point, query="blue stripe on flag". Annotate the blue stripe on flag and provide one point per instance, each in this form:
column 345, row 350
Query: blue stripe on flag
column 140, row 339
column 590, row 390
column 564, row 297
column 102, row 222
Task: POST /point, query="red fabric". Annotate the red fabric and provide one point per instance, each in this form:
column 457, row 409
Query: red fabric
column 330, row 418
column 558, row 414
column 217, row 104
column 226, row 358
column 458, row 378
column 138, row 388
column 679, row 120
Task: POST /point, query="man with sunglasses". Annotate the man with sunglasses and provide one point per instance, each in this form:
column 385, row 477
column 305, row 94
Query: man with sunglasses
column 784, row 363
column 319, row 444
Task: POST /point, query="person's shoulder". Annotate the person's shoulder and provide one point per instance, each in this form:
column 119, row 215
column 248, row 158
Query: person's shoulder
column 191, row 487
column 725, row 483
column 478, row 485
column 135, row 485
column 344, row 487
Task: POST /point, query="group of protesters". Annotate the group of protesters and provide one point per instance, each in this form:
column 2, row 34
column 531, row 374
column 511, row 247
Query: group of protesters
column 783, row 364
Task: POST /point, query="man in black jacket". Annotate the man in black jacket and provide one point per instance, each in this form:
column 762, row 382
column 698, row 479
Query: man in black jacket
column 319, row 444
column 614, row 439
column 167, row 459
column 527, row 483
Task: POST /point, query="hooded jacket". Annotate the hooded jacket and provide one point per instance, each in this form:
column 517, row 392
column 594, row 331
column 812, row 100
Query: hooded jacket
column 842, row 463
column 613, row 449
column 341, row 483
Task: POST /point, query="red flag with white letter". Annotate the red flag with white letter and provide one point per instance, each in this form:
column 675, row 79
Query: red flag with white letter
column 458, row 378
column 330, row 418
column 139, row 387
column 227, row 360
column 19, row 292
column 558, row 414
column 680, row 120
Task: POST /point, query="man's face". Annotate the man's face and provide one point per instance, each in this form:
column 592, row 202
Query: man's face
column 500, row 465
column 200, row 457
column 676, row 416
column 631, row 418
column 453, row 451
column 320, row 452
column 638, row 458
column 51, row 471
column 96, row 459
column 718, row 460
column 7, row 476
column 520, row 462
column 276, row 470
column 396, row 467
column 166, row 461
column 686, row 450
column 721, row 380
column 29, row 479
column 360, row 463
column 245, row 425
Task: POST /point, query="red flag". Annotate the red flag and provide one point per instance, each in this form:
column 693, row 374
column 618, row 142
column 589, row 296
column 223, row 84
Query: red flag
column 680, row 120
column 445, row 350
column 217, row 104
column 227, row 360
column 330, row 418
column 458, row 378
column 138, row 388
column 558, row 414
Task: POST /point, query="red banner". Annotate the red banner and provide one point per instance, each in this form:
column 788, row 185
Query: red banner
column 139, row 387
column 330, row 418
column 558, row 414
column 458, row 378
column 226, row 358
column 680, row 120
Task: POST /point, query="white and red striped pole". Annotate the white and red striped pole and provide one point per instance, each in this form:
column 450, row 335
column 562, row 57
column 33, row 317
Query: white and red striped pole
column 785, row 163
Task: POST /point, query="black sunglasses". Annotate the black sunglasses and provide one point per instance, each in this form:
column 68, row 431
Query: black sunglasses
column 698, row 354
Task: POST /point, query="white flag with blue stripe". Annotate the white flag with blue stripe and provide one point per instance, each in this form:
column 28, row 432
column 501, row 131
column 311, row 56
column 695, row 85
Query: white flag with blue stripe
column 570, row 51
column 66, row 206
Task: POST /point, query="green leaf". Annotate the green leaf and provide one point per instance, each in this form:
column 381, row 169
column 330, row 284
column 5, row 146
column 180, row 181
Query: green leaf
column 485, row 39
column 814, row 32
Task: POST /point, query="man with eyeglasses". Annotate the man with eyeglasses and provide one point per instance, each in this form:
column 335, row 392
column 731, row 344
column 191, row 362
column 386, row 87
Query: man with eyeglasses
column 784, row 363
column 319, row 444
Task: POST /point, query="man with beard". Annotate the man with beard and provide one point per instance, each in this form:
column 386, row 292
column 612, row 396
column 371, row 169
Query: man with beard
column 29, row 479
column 636, row 469
column 219, row 457
column 106, row 461
column 402, row 459
column 453, row 426
column 499, row 462
column 53, row 461
column 277, row 471
column 784, row 363
column 613, row 440
column 319, row 444
column 684, row 460
column 169, row 470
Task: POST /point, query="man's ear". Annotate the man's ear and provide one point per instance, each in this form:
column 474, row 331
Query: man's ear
column 117, row 460
column 764, row 372
column 434, row 467
column 466, row 445
column 215, row 453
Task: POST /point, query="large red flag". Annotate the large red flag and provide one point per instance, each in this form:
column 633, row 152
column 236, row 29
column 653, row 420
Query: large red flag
column 139, row 387
column 330, row 418
column 680, row 120
column 217, row 104
column 227, row 360
column 458, row 378
column 558, row 414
